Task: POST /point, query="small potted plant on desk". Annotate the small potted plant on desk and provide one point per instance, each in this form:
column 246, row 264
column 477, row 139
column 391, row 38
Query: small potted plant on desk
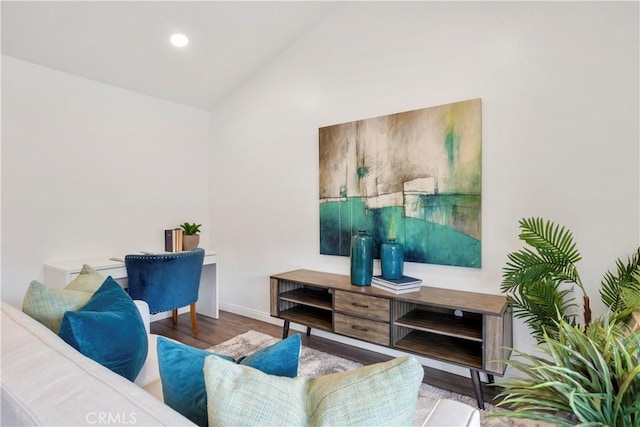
column 190, row 238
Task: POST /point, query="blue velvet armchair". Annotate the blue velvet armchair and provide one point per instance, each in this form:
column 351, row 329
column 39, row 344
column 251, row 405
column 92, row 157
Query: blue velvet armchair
column 166, row 281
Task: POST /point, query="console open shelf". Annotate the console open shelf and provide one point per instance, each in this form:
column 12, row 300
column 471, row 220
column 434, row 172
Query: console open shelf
column 309, row 316
column 442, row 347
column 468, row 327
column 319, row 298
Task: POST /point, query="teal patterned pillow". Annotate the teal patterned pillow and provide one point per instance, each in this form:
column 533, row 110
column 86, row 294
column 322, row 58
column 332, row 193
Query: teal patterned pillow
column 384, row 394
column 182, row 377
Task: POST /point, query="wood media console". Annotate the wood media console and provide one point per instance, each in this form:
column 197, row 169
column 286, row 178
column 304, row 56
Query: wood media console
column 468, row 329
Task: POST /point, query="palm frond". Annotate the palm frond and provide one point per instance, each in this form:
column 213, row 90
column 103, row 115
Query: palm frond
column 621, row 291
column 552, row 253
column 549, row 238
column 540, row 304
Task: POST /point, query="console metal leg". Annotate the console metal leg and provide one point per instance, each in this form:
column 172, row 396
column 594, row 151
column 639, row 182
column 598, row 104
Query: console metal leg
column 285, row 329
column 477, row 387
column 308, row 331
column 490, row 379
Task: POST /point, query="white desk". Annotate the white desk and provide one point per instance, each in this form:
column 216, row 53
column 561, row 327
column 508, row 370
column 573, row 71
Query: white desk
column 59, row 274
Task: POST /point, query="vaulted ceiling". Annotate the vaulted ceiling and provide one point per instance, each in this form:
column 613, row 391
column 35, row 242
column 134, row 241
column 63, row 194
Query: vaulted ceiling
column 126, row 43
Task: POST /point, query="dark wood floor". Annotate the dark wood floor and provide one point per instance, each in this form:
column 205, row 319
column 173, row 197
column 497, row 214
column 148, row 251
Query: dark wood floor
column 228, row 325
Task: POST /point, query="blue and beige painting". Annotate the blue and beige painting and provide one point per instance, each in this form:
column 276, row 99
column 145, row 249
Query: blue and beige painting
column 413, row 176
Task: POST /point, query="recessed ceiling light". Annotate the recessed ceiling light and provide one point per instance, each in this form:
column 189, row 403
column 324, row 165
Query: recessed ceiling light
column 179, row 40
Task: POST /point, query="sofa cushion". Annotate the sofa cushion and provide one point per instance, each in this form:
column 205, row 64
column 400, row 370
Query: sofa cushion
column 109, row 330
column 382, row 394
column 181, row 371
column 48, row 305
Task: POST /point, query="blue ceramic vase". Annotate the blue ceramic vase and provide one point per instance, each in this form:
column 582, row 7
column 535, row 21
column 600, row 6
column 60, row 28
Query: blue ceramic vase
column 361, row 259
column 391, row 259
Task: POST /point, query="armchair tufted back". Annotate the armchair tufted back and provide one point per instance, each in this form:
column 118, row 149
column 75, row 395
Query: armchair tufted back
column 165, row 281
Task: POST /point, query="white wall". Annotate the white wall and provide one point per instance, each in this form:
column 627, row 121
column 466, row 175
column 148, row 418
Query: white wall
column 90, row 170
column 559, row 84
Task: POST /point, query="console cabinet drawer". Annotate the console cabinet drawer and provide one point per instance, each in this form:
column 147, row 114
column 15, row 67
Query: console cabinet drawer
column 362, row 329
column 362, row 305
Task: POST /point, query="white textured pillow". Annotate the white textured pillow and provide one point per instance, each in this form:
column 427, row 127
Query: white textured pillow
column 48, row 305
column 382, row 394
column 89, row 280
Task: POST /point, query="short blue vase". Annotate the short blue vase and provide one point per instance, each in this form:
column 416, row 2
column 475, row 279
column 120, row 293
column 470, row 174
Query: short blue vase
column 391, row 260
column 361, row 259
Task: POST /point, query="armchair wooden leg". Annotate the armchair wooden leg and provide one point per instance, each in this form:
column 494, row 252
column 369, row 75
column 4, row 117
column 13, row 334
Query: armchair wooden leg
column 194, row 321
column 174, row 315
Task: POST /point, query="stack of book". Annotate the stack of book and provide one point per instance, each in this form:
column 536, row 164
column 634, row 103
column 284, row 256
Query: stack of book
column 173, row 240
column 397, row 286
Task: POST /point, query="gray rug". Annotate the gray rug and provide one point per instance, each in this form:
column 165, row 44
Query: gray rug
column 314, row 363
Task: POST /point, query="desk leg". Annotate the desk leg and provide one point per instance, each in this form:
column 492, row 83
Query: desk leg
column 285, row 329
column 477, row 387
column 208, row 291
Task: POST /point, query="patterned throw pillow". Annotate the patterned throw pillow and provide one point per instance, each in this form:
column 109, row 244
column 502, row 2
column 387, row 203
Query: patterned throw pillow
column 384, row 394
column 89, row 280
column 48, row 305
column 182, row 377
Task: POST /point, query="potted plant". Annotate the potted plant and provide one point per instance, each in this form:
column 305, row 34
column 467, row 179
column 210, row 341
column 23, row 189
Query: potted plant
column 538, row 278
column 589, row 373
column 588, row 377
column 190, row 236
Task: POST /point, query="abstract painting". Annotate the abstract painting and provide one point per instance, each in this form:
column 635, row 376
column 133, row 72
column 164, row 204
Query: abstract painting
column 414, row 176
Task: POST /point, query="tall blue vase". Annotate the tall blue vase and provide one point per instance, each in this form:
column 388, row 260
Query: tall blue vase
column 391, row 260
column 361, row 259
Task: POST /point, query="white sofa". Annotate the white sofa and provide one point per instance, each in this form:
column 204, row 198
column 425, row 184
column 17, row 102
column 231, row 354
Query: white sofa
column 47, row 382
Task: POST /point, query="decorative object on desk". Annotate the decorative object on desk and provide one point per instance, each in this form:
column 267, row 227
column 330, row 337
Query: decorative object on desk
column 173, row 240
column 391, row 259
column 422, row 167
column 402, row 285
column 190, row 238
column 361, row 259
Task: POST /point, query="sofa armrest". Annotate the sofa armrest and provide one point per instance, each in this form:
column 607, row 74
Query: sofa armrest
column 143, row 308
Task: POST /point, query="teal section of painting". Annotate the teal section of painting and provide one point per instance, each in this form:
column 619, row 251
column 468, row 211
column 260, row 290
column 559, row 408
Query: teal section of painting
column 424, row 241
column 339, row 221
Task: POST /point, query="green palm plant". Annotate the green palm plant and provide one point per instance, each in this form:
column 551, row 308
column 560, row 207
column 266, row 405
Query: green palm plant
column 591, row 377
column 539, row 280
column 621, row 291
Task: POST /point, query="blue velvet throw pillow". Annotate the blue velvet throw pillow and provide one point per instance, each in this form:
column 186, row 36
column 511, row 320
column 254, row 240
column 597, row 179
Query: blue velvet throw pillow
column 108, row 329
column 182, row 375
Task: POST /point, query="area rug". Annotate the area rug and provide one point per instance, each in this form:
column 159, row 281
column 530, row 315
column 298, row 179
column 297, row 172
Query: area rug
column 314, row 363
